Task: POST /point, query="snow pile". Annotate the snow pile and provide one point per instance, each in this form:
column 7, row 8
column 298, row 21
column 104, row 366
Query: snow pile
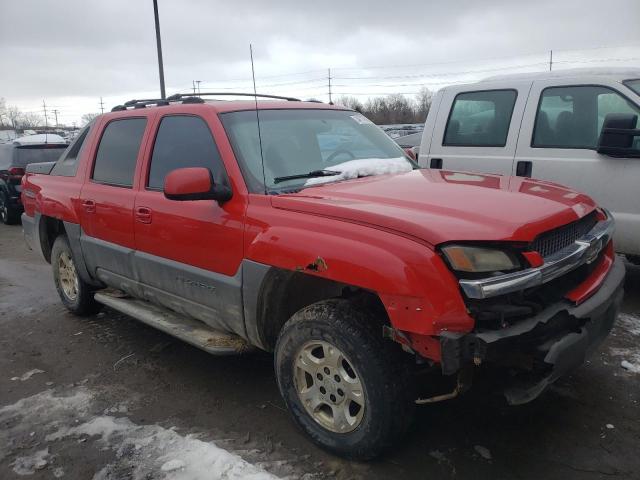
column 29, row 464
column 630, row 367
column 363, row 168
column 27, row 375
column 630, row 323
column 146, row 451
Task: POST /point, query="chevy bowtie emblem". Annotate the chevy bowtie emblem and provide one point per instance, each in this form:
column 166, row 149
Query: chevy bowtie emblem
column 592, row 251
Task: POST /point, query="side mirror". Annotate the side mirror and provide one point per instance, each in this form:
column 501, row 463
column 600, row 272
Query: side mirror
column 618, row 134
column 194, row 183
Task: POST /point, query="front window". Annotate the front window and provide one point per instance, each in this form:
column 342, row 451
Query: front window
column 317, row 146
column 572, row 116
column 633, row 85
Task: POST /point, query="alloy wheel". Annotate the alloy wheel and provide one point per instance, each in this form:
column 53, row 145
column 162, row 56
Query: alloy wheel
column 329, row 387
column 68, row 276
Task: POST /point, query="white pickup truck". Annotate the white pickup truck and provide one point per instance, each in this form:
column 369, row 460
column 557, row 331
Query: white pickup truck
column 573, row 127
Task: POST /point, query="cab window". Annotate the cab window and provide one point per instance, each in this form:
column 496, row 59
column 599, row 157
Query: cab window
column 572, row 116
column 118, row 152
column 183, row 141
column 480, row 119
column 67, row 165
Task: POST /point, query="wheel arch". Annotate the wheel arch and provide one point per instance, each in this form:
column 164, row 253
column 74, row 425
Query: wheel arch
column 279, row 293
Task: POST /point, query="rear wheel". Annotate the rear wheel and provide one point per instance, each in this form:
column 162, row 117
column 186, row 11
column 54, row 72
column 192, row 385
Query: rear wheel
column 75, row 293
column 345, row 386
column 8, row 215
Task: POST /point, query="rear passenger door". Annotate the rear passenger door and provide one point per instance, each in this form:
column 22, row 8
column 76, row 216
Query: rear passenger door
column 107, row 199
column 190, row 252
column 559, row 137
column 477, row 128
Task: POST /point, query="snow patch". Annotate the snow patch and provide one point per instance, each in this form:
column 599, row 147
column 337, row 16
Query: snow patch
column 27, row 375
column 631, row 323
column 631, row 367
column 146, row 451
column 364, row 167
column 484, row 452
column 28, row 465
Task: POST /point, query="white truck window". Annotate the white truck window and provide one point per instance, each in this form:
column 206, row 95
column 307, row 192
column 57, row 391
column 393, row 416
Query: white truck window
column 480, row 119
column 572, row 116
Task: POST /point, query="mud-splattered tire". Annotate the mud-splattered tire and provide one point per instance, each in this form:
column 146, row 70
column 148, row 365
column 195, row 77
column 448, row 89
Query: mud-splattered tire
column 74, row 292
column 8, row 215
column 331, row 345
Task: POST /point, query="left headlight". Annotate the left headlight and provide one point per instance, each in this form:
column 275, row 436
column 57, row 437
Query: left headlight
column 470, row 259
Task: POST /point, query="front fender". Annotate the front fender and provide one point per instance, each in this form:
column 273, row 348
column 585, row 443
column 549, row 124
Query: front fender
column 418, row 291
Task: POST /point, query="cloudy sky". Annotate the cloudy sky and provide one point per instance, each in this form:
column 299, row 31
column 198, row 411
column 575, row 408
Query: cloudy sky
column 73, row 52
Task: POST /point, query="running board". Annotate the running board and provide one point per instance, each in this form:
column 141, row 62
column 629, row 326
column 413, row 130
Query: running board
column 191, row 331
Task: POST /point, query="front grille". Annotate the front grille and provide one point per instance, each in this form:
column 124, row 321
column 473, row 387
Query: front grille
column 555, row 240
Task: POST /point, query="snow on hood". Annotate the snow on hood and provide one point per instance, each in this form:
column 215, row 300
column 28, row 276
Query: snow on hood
column 364, row 167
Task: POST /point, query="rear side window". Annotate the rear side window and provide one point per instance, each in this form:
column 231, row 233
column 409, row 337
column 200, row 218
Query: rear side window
column 480, row 119
column 572, row 116
column 118, row 151
column 184, row 141
column 67, row 166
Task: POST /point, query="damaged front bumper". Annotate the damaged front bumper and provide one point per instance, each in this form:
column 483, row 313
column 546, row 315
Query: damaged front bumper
column 543, row 347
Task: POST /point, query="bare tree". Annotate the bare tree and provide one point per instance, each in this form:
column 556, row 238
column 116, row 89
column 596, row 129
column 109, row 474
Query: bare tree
column 88, row 117
column 13, row 114
column 3, row 113
column 350, row 102
column 29, row 120
column 423, row 104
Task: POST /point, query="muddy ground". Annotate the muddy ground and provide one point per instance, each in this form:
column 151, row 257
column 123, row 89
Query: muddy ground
column 112, row 398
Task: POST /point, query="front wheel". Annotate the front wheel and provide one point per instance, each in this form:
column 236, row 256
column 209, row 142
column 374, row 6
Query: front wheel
column 345, row 385
column 74, row 292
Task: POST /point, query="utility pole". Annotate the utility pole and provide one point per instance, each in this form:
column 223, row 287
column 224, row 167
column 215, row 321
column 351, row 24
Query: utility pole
column 46, row 120
column 198, row 82
column 101, row 105
column 550, row 60
column 55, row 112
column 159, row 47
column 329, row 77
column 194, row 86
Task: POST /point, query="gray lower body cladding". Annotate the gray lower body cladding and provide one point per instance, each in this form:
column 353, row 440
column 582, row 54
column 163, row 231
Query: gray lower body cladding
column 546, row 346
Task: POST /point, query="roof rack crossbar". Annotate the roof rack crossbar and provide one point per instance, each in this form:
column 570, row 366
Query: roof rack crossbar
column 179, row 96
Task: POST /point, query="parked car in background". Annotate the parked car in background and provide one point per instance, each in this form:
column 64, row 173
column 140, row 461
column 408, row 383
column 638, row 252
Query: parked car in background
column 14, row 157
column 410, row 144
column 574, row 127
column 313, row 236
column 7, row 136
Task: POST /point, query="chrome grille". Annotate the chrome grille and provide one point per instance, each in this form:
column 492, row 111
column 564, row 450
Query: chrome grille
column 555, row 240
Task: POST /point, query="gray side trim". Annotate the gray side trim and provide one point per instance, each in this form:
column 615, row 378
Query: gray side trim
column 218, row 296
column 107, row 255
column 253, row 274
column 74, row 233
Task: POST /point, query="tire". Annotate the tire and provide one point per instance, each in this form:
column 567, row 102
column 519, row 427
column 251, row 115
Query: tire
column 75, row 293
column 8, row 215
column 380, row 367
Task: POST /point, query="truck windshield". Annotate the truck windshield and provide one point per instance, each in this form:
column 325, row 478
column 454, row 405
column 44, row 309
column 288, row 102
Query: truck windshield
column 305, row 147
column 38, row 153
column 633, row 85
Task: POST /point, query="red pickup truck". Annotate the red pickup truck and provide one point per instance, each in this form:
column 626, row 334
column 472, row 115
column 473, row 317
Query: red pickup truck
column 300, row 228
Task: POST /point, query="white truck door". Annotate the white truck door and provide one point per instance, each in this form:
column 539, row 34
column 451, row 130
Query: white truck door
column 475, row 127
column 558, row 141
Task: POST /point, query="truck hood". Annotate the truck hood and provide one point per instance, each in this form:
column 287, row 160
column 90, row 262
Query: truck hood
column 437, row 206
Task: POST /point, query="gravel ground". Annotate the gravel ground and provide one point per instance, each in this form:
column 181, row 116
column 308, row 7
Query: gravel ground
column 109, row 398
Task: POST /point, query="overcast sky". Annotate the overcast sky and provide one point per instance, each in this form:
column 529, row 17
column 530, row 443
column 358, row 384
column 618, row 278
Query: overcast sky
column 72, row 52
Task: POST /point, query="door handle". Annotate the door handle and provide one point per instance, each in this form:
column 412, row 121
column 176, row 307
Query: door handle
column 89, row 206
column 524, row 169
column 143, row 214
column 436, row 163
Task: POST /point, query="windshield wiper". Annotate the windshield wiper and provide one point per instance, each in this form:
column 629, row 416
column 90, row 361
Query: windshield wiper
column 311, row 174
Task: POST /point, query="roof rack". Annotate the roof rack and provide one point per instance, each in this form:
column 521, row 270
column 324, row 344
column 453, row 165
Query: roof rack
column 190, row 98
column 179, row 96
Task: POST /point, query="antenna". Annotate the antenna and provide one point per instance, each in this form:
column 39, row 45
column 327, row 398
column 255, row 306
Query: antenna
column 255, row 96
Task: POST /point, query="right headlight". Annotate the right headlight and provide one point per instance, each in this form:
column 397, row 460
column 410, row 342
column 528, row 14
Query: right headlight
column 470, row 259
